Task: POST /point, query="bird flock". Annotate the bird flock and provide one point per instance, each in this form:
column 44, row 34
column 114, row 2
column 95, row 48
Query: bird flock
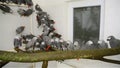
column 18, row 2
column 22, row 12
column 49, row 39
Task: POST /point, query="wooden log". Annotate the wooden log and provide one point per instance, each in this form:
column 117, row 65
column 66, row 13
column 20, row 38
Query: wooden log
column 57, row 55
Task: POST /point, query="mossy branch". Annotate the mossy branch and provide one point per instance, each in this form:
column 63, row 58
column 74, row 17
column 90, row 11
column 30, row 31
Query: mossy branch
column 57, row 55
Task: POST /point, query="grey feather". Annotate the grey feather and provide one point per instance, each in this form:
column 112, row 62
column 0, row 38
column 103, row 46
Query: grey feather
column 113, row 42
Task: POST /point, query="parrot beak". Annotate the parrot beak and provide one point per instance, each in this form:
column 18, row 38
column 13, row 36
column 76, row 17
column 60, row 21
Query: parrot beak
column 108, row 39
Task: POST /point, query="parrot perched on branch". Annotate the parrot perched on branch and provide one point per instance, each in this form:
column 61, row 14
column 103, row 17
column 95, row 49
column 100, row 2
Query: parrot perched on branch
column 102, row 44
column 113, row 41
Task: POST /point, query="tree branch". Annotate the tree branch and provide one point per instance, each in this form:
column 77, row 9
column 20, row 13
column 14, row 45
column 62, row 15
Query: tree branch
column 57, row 55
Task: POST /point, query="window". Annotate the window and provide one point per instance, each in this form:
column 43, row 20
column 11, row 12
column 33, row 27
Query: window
column 86, row 23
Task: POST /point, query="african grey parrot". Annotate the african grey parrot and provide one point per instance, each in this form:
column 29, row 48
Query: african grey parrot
column 70, row 45
column 37, row 7
column 20, row 29
column 27, row 12
column 63, row 44
column 79, row 43
column 76, row 45
column 29, row 3
column 21, row 12
column 5, row 8
column 43, row 46
column 30, row 43
column 58, row 43
column 89, row 45
column 102, row 44
column 17, row 41
column 26, row 38
column 113, row 42
column 45, row 30
column 42, row 18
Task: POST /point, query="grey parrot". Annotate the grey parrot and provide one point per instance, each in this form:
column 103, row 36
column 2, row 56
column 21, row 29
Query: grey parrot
column 45, row 30
column 5, row 8
column 26, row 38
column 89, row 45
column 29, row 3
column 54, row 34
column 17, row 41
column 76, row 45
column 59, row 43
column 20, row 29
column 37, row 7
column 42, row 18
column 43, row 46
column 65, row 45
column 70, row 45
column 30, row 43
column 56, row 42
column 102, row 44
column 27, row 12
column 21, row 12
column 113, row 42
column 49, row 42
column 79, row 43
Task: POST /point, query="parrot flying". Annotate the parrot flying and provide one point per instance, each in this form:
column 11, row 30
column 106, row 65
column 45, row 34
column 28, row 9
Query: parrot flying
column 37, row 7
column 23, row 12
column 5, row 8
column 20, row 29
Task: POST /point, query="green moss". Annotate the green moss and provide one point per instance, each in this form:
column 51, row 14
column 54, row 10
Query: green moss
column 56, row 55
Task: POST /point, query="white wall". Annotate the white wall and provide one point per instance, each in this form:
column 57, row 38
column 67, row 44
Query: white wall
column 112, row 18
